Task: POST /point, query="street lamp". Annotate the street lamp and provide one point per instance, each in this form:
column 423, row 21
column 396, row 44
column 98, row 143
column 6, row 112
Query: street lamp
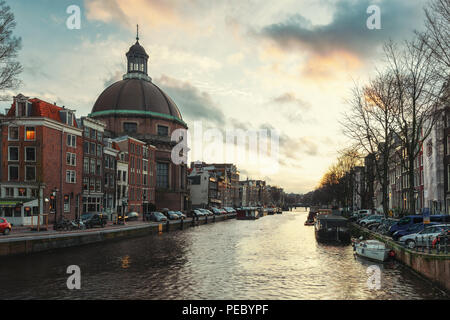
column 53, row 198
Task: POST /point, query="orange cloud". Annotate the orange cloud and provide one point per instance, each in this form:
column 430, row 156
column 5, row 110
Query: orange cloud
column 153, row 13
column 324, row 67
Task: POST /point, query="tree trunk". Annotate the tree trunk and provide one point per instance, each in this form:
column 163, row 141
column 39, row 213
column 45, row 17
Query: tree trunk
column 412, row 200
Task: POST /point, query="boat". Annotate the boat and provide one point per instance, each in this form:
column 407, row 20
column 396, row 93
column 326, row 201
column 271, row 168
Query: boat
column 310, row 221
column 247, row 213
column 270, row 211
column 331, row 227
column 372, row 249
column 278, row 210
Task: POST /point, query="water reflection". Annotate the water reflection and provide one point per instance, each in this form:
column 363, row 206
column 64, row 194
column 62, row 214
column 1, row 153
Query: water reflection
column 275, row 257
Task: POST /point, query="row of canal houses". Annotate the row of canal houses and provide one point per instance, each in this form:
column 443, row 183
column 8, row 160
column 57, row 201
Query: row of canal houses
column 57, row 165
column 431, row 179
column 219, row 185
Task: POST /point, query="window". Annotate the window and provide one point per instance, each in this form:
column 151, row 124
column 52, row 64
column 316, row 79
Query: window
column 66, row 203
column 13, row 153
column 86, row 165
column 130, row 127
column 22, row 192
column 71, row 176
column 13, row 173
column 30, row 173
column 30, row 154
column 99, row 150
column 13, row 133
column 86, row 147
column 93, row 149
column 92, row 166
column 72, row 159
column 98, row 185
column 93, row 134
column 163, row 131
column 99, row 167
column 124, row 176
column 145, row 165
column 162, row 175
column 85, row 184
column 92, row 184
column 30, row 133
column 99, row 136
column 9, row 192
column 71, row 141
column 86, row 132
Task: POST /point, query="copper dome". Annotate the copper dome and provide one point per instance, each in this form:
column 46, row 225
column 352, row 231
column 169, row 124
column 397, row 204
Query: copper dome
column 135, row 97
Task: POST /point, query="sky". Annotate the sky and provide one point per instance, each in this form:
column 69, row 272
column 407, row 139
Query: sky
column 286, row 66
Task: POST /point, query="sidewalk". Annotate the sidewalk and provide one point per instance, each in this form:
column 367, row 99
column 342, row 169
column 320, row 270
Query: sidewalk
column 25, row 231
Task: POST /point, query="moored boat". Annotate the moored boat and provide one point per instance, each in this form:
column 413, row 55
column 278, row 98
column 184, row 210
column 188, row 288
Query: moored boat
column 372, row 249
column 247, row 213
column 331, row 228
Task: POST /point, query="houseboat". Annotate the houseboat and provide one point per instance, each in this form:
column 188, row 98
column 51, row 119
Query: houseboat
column 311, row 218
column 331, row 227
column 247, row 213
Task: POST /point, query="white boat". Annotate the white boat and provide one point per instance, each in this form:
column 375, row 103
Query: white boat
column 372, row 249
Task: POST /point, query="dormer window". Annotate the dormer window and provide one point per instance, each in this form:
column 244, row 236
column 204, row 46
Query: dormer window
column 67, row 117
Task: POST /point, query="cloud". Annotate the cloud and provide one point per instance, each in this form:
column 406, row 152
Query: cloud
column 343, row 43
column 153, row 13
column 193, row 103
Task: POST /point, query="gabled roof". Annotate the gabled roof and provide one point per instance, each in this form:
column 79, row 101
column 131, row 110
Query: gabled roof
column 41, row 108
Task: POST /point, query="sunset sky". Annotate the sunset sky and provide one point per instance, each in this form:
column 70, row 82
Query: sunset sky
column 287, row 65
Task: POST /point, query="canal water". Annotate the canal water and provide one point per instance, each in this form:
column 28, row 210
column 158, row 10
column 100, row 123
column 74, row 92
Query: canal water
column 275, row 257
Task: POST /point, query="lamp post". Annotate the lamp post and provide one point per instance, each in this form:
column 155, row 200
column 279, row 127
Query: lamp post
column 53, row 198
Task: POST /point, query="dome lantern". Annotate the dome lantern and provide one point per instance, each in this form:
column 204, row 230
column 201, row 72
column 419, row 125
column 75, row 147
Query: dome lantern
column 137, row 60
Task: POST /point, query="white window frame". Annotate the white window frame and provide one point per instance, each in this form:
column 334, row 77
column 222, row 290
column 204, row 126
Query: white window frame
column 25, row 133
column 18, row 172
column 25, row 154
column 9, row 133
column 9, row 154
column 34, row 167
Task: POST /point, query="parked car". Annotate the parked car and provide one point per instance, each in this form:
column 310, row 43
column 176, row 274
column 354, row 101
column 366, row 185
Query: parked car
column 368, row 219
column 415, row 228
column 229, row 210
column 172, row 215
column 405, row 222
column 5, row 226
column 422, row 238
column 197, row 213
column 206, row 212
column 180, row 214
column 157, row 217
column 217, row 211
column 91, row 220
column 132, row 216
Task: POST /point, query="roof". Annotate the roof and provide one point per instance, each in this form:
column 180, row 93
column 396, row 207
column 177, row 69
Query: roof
column 137, row 98
column 41, row 108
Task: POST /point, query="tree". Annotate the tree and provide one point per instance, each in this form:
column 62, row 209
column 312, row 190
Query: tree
column 437, row 35
column 418, row 93
column 370, row 124
column 10, row 68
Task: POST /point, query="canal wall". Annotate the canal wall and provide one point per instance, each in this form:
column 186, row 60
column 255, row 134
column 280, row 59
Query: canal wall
column 38, row 243
column 434, row 267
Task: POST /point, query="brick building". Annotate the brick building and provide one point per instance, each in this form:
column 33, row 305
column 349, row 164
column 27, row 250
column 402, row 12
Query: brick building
column 136, row 107
column 42, row 153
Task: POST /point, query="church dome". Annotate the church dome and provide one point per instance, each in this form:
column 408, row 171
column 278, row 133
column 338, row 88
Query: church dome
column 136, row 95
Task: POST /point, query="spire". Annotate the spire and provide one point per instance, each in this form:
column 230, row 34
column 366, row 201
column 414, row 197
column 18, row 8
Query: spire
column 137, row 32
